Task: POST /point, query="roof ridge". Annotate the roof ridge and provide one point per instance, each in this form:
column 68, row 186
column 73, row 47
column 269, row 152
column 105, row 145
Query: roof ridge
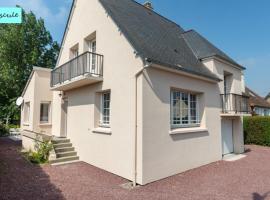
column 151, row 10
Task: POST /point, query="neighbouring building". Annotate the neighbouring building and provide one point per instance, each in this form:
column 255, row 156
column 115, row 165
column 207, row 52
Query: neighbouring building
column 137, row 95
column 267, row 98
column 257, row 104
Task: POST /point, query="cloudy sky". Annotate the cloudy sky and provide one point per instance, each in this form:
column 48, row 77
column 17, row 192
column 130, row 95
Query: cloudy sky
column 240, row 28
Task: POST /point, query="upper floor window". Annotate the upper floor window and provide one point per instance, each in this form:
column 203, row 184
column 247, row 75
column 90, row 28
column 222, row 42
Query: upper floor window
column 184, row 109
column 74, row 51
column 92, row 47
column 44, row 112
column 26, row 110
column 105, row 109
column 227, row 81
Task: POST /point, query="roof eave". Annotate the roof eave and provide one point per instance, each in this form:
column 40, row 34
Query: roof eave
column 169, row 67
column 223, row 59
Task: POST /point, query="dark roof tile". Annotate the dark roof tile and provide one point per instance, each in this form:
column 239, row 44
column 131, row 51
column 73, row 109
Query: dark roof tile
column 155, row 37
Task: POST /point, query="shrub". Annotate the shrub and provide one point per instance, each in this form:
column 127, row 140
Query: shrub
column 257, row 130
column 42, row 152
column 13, row 126
column 4, row 130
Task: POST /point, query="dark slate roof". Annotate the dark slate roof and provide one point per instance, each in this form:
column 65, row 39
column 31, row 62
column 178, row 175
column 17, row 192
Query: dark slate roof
column 256, row 100
column 202, row 48
column 154, row 37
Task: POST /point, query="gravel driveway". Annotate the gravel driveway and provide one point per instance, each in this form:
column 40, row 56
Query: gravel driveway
column 248, row 178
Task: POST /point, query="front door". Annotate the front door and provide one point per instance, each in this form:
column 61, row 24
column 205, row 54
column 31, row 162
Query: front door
column 227, row 136
column 64, row 119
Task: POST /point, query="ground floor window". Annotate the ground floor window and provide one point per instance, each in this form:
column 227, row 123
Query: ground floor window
column 26, row 110
column 44, row 112
column 105, row 108
column 184, row 109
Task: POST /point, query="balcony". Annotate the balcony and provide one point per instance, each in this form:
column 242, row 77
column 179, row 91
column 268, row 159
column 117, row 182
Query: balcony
column 83, row 70
column 234, row 104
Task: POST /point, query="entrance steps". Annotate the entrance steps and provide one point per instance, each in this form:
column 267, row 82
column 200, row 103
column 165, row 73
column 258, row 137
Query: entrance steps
column 65, row 152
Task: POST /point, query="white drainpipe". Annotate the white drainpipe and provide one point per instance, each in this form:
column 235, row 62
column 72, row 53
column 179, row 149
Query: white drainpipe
column 136, row 125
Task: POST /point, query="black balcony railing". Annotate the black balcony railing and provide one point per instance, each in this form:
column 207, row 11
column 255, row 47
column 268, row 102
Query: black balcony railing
column 234, row 103
column 86, row 63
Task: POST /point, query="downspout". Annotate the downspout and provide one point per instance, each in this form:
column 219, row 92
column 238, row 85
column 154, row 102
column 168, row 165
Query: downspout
column 148, row 64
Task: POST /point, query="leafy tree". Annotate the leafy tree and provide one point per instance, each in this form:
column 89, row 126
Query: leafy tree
column 22, row 46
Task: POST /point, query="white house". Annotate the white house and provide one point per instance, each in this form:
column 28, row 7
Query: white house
column 137, row 95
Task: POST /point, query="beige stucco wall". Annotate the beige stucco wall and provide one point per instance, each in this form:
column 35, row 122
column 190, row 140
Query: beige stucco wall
column 236, row 82
column 113, row 152
column 28, row 96
column 159, row 154
column 165, row 154
column 36, row 92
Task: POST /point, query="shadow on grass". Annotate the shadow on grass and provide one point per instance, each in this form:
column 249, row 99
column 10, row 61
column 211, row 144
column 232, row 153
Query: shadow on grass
column 19, row 179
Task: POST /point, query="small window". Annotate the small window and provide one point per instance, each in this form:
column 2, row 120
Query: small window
column 184, row 109
column 105, row 109
column 44, row 112
column 26, row 112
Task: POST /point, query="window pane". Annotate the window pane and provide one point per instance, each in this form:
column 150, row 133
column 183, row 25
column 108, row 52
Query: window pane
column 44, row 112
column 26, row 111
column 105, row 119
column 184, row 108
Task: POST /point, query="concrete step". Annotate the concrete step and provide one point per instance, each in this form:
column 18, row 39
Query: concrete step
column 65, row 149
column 60, row 141
column 64, row 159
column 64, row 163
column 62, row 145
column 66, row 154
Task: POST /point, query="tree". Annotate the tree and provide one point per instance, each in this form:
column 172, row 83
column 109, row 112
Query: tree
column 22, row 46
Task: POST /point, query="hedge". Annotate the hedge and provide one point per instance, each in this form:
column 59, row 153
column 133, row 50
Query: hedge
column 257, row 130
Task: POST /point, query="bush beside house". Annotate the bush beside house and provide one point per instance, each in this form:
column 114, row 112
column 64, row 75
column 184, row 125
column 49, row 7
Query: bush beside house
column 41, row 153
column 4, row 130
column 257, row 130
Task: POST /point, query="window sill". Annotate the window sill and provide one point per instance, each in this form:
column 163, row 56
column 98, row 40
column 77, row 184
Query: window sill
column 102, row 130
column 187, row 130
column 45, row 124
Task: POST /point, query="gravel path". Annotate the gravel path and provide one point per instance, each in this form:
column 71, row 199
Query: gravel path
column 248, row 178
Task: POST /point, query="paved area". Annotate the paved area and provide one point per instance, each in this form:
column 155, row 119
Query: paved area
column 247, row 178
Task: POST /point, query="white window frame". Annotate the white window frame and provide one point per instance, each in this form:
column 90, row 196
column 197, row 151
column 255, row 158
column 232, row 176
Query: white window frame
column 103, row 123
column 93, row 57
column 190, row 122
column 75, row 53
column 26, row 109
column 49, row 112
